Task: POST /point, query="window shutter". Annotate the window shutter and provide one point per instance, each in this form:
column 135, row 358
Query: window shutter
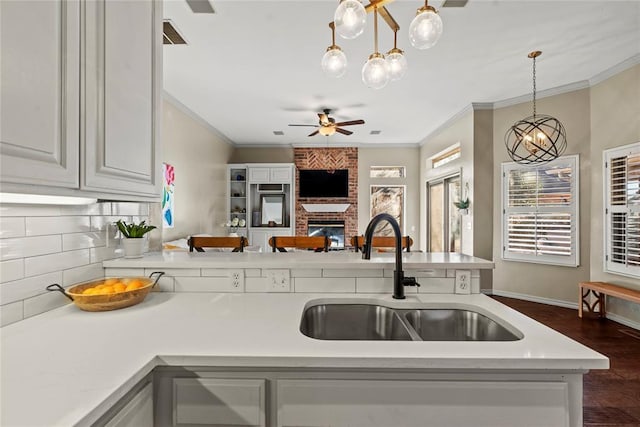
column 540, row 212
column 622, row 210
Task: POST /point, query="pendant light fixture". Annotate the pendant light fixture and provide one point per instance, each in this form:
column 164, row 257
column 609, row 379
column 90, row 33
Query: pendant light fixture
column 538, row 138
column 426, row 28
column 349, row 21
column 375, row 72
column 396, row 60
column 334, row 61
column 350, row 18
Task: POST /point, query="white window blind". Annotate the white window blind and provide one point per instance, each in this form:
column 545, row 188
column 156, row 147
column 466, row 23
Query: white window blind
column 540, row 212
column 622, row 210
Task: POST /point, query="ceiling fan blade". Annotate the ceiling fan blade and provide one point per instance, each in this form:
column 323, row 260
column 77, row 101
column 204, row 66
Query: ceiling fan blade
column 313, row 126
column 344, row 131
column 350, row 123
column 324, row 119
column 314, row 133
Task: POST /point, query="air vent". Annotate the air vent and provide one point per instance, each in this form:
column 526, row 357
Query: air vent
column 171, row 34
column 200, row 6
column 375, row 132
column 278, row 132
column 454, row 3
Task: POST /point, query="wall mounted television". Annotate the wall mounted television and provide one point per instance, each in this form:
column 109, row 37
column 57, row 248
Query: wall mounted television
column 324, row 183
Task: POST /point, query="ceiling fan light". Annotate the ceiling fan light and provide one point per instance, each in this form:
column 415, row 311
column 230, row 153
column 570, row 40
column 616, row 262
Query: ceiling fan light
column 350, row 19
column 334, row 62
column 327, row 130
column 426, row 28
column 397, row 63
column 375, row 72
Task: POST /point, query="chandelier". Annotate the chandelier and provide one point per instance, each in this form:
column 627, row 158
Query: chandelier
column 538, row 138
column 349, row 21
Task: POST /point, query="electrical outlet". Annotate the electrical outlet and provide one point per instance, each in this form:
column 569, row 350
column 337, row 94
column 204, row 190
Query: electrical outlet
column 463, row 281
column 278, row 280
column 237, row 279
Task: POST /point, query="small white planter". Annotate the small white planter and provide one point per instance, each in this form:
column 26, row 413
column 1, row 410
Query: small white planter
column 133, row 247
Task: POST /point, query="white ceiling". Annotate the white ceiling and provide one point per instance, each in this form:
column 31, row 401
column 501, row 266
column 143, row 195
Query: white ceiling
column 254, row 66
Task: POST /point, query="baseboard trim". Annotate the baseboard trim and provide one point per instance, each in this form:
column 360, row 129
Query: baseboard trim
column 611, row 316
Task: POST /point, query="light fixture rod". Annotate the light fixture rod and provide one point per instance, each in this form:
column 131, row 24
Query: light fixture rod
column 375, row 29
column 395, row 39
column 332, row 25
column 534, row 55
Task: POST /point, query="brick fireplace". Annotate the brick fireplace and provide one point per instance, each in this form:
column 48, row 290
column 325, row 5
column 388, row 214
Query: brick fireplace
column 328, row 158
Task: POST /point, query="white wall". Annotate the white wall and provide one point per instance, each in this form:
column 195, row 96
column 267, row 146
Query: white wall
column 200, row 156
column 408, row 157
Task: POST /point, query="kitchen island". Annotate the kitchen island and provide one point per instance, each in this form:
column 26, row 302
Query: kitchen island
column 69, row 367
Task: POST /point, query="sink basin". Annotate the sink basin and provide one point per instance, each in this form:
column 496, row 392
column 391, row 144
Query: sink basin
column 353, row 322
column 456, row 325
column 377, row 322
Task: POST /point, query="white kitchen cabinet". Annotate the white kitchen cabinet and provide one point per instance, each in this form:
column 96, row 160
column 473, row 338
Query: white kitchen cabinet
column 258, row 174
column 270, row 175
column 39, row 83
column 219, row 402
column 137, row 412
column 307, row 403
column 122, row 79
column 260, row 236
column 81, row 87
column 280, row 175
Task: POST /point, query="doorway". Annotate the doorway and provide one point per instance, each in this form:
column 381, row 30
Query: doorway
column 444, row 221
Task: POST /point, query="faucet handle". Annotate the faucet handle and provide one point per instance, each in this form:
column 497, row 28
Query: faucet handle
column 410, row 281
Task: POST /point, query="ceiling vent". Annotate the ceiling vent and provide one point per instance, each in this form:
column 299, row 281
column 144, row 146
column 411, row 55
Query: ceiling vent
column 375, row 132
column 171, row 35
column 278, row 132
column 200, row 6
column 454, row 3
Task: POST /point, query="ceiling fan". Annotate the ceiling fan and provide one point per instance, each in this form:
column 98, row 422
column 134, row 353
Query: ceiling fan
column 327, row 125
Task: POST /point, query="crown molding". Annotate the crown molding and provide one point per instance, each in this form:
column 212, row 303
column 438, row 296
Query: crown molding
column 189, row 112
column 356, row 145
column 558, row 90
column 616, row 69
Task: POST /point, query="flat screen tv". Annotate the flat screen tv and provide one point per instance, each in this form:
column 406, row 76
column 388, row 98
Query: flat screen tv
column 324, row 183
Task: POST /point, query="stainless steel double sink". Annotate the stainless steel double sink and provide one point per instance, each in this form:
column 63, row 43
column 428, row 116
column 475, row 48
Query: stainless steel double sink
column 376, row 322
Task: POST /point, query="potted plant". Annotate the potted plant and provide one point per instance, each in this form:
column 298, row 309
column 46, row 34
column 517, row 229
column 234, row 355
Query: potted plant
column 462, row 205
column 133, row 242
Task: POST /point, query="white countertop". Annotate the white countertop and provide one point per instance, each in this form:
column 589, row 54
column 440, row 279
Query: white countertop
column 67, row 367
column 303, row 259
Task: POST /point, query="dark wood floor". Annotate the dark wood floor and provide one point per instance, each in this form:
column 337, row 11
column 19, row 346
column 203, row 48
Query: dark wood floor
column 611, row 397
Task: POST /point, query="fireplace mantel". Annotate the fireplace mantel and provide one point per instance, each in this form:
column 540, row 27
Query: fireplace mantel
column 326, row 207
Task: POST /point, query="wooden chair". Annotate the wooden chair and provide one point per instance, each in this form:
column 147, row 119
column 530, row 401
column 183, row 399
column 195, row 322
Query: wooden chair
column 316, row 243
column 382, row 242
column 237, row 243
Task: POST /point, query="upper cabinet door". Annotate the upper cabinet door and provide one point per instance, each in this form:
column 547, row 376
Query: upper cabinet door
column 280, row 175
column 122, row 78
column 39, row 56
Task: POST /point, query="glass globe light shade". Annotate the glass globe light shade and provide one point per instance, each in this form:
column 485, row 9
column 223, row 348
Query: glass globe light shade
column 397, row 64
column 334, row 62
column 425, row 29
column 375, row 72
column 350, row 19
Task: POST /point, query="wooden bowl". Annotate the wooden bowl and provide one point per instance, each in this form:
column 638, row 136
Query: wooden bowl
column 106, row 302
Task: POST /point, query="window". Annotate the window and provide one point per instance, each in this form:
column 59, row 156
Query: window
column 622, row 210
column 387, row 172
column 540, row 212
column 449, row 155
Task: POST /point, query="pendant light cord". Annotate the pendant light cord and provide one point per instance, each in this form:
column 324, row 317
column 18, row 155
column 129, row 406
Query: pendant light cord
column 534, row 87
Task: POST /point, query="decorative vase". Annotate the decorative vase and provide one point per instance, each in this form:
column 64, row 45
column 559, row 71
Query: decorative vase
column 464, row 211
column 133, row 247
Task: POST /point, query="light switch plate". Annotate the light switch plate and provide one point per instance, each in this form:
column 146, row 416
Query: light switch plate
column 463, row 281
column 278, row 280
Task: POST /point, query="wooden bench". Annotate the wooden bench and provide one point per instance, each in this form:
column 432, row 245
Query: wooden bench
column 599, row 290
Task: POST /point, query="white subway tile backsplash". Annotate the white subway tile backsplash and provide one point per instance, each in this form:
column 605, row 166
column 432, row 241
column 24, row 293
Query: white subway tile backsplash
column 53, row 262
column 475, row 284
column 45, row 302
column 426, row 272
column 100, row 223
column 375, row 285
column 352, row 273
column 125, row 208
column 29, row 210
column 321, row 284
column 11, row 313
column 11, row 270
column 56, row 225
column 215, row 272
column 12, row 227
column 306, row 272
column 252, row 272
column 104, row 253
column 436, row 285
column 83, row 240
column 82, row 274
column 102, row 208
column 179, row 272
column 123, row 272
column 29, row 246
column 28, row 287
column 205, row 284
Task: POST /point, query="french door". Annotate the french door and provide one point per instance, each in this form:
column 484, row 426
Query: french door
column 444, row 220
